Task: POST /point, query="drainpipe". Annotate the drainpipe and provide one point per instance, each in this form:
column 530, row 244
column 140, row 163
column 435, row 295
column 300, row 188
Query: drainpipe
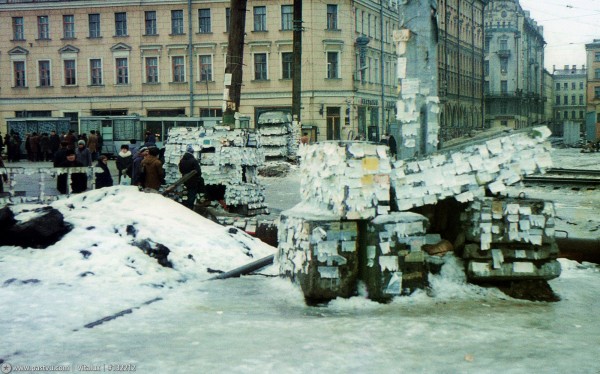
column 191, row 58
column 381, row 64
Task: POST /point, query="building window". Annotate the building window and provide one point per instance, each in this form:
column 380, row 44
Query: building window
column 565, row 86
column 572, row 114
column 287, row 63
column 19, row 73
column 581, row 85
column 204, row 21
column 177, row 22
column 596, row 73
column 597, row 56
column 121, row 24
column 70, row 72
column 573, row 100
column 566, row 115
column 503, row 44
column 503, row 87
column 557, row 99
column 96, row 72
column 43, row 27
column 332, row 17
column 558, row 87
column 486, row 68
column 178, row 63
column 597, row 92
column 287, row 17
column 18, row 31
column 68, row 26
column 94, row 25
column 151, row 69
column 580, row 99
column 260, row 18
column 211, row 112
column 44, row 73
column 260, row 66
column 581, row 114
column 227, row 19
column 150, row 22
column 503, row 65
column 122, row 65
column 205, row 68
column 333, row 65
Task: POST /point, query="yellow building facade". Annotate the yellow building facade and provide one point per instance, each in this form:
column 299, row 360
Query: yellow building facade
column 167, row 58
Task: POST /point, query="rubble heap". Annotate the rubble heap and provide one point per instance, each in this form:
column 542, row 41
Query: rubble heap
column 278, row 137
column 465, row 174
column 225, row 160
column 510, row 239
column 344, row 230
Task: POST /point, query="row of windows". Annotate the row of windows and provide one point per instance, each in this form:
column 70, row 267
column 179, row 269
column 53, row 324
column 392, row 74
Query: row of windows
column 151, row 69
column 368, row 25
column 151, row 22
column 565, row 114
column 565, row 86
column 566, row 100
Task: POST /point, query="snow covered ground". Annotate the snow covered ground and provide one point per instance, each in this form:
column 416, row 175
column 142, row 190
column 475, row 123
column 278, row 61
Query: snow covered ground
column 176, row 321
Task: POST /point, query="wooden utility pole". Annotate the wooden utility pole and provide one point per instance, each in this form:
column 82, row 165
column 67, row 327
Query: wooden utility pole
column 297, row 69
column 235, row 61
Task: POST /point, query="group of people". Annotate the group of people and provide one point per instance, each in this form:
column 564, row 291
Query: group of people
column 140, row 166
column 81, row 156
column 43, row 147
column 143, row 167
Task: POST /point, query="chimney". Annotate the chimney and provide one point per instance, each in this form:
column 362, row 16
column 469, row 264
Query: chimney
column 566, row 67
column 574, row 67
column 553, row 68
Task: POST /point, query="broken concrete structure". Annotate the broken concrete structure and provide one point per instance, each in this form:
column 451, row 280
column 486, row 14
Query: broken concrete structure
column 344, row 216
column 228, row 157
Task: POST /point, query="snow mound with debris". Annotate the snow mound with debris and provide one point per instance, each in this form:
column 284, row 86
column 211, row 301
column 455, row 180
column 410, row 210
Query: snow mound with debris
column 112, row 227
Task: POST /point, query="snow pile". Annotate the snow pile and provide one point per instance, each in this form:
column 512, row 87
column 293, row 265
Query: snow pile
column 109, row 226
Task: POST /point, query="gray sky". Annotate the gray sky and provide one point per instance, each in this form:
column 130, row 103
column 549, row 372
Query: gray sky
column 568, row 26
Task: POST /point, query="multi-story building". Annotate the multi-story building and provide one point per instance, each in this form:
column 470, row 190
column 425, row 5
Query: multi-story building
column 460, row 61
column 167, row 58
column 593, row 90
column 569, row 94
column 514, row 65
column 548, row 104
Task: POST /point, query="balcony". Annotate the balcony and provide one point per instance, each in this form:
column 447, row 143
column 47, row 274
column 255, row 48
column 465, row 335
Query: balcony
column 504, row 53
column 501, row 94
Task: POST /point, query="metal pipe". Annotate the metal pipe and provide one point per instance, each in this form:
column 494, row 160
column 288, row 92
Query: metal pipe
column 246, row 269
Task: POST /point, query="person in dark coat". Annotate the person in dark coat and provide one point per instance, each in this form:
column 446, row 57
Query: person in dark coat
column 153, row 169
column 103, row 179
column 150, row 139
column 78, row 180
column 3, row 176
column 193, row 185
column 136, row 166
column 60, row 157
column 84, row 156
column 54, row 142
column 124, row 161
column 45, row 148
